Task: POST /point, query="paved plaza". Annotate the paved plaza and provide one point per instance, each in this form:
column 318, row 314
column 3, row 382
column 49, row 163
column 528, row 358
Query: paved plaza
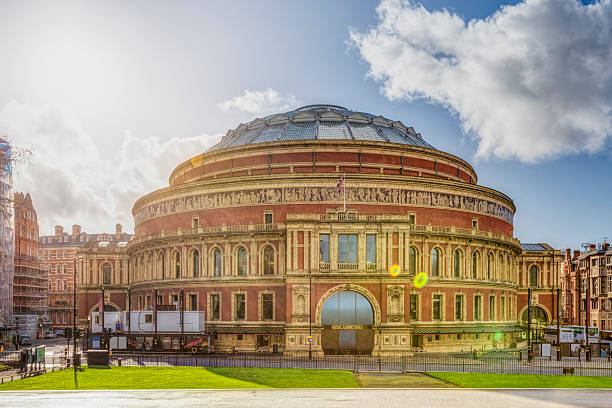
column 319, row 398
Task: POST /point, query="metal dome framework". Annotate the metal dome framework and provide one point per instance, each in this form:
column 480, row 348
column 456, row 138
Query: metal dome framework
column 321, row 122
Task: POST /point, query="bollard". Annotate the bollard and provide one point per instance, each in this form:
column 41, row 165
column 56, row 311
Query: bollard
column 119, row 361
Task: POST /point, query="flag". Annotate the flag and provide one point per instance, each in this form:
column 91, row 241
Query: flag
column 339, row 185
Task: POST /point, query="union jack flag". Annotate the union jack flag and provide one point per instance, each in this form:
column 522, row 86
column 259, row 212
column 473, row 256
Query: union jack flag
column 339, row 185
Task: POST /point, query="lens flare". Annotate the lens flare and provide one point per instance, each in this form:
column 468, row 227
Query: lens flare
column 420, row 280
column 498, row 336
column 394, row 270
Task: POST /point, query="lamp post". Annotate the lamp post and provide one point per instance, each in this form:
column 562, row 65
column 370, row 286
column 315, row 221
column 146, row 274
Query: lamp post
column 74, row 318
column 309, row 314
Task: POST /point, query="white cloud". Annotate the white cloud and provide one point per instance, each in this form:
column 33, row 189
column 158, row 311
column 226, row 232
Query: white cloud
column 72, row 182
column 260, row 102
column 532, row 81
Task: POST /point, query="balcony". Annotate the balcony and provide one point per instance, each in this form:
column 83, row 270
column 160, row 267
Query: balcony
column 371, row 266
column 324, row 266
column 219, row 229
column 348, row 266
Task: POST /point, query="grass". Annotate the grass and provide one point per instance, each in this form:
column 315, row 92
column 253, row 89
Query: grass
column 185, row 378
column 469, row 380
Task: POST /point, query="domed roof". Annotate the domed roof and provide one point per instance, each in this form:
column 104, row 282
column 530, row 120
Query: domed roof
column 329, row 122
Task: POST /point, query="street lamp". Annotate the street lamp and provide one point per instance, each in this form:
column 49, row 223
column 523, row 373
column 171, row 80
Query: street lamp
column 310, row 314
column 74, row 318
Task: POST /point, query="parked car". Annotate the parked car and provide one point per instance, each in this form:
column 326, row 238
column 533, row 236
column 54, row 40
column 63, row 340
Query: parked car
column 25, row 340
column 50, row 335
column 59, row 333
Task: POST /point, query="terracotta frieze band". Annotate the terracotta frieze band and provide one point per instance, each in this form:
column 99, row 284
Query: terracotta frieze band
column 354, row 195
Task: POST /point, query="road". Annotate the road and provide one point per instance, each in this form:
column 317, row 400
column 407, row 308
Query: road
column 319, row 398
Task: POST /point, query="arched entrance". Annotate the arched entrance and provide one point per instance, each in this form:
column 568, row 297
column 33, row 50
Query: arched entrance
column 347, row 319
column 539, row 319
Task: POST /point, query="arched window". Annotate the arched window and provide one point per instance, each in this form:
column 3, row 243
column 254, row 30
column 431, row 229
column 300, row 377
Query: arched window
column 217, row 262
column 195, row 258
column 489, row 266
column 457, row 264
column 241, row 261
column 435, row 262
column 510, row 278
column 268, row 260
column 177, row 266
column 502, row 269
column 106, row 274
column 412, row 260
column 162, row 260
column 533, row 276
column 475, row 261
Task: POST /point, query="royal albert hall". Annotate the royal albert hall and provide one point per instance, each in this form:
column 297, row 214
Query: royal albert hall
column 291, row 227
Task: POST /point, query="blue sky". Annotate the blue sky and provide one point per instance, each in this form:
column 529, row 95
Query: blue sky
column 112, row 95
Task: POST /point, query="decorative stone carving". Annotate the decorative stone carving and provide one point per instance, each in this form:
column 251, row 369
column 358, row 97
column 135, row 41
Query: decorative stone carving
column 322, row 194
column 300, row 301
column 395, row 304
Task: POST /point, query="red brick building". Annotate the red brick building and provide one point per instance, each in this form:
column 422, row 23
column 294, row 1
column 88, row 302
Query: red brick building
column 569, row 288
column 59, row 252
column 30, row 278
column 317, row 221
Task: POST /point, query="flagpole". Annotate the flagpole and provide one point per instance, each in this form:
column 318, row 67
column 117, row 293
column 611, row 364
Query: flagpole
column 344, row 188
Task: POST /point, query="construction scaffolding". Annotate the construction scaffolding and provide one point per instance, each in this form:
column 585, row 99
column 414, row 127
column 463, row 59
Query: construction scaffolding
column 7, row 239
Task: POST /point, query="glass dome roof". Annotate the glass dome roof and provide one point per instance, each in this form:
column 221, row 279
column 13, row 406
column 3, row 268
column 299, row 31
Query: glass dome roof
column 325, row 122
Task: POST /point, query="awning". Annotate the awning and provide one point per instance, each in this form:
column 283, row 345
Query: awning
column 245, row 330
column 466, row 329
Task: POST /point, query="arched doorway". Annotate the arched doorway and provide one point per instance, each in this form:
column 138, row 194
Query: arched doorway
column 347, row 319
column 539, row 319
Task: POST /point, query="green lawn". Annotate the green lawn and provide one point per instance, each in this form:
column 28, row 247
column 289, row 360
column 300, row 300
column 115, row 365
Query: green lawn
column 468, row 380
column 186, row 377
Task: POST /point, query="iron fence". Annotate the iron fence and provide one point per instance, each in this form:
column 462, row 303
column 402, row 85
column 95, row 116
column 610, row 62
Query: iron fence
column 508, row 362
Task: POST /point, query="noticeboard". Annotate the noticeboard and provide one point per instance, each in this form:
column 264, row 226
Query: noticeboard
column 40, row 355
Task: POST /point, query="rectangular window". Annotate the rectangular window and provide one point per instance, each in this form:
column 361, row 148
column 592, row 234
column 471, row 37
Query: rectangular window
column 437, row 307
column 458, row 307
column 509, row 306
column 491, row 307
column 371, row 248
column 240, row 306
column 215, row 306
column 477, row 307
column 502, row 308
column 175, row 300
column 347, row 248
column 160, row 300
column 195, row 223
column 268, row 218
column 148, row 301
column 324, row 248
column 414, row 306
column 267, row 305
column 193, row 302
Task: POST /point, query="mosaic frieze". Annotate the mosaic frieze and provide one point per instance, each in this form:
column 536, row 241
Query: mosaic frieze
column 323, row 194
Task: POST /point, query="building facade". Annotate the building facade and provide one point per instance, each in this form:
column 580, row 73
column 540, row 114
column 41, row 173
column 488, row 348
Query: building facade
column 60, row 254
column 569, row 287
column 594, row 267
column 7, row 243
column 305, row 232
column 30, row 277
column 538, row 272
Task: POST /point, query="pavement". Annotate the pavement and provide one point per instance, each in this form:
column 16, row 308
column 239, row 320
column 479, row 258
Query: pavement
column 373, row 379
column 319, row 398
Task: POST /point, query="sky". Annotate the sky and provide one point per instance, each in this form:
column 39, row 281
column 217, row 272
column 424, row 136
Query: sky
column 111, row 96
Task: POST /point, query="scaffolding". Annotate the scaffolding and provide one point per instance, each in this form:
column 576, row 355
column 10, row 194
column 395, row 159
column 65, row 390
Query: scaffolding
column 7, row 239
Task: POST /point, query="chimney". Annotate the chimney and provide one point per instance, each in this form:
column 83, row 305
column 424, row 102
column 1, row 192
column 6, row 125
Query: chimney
column 592, row 246
column 118, row 231
column 76, row 230
column 576, row 254
column 605, row 246
column 59, row 230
